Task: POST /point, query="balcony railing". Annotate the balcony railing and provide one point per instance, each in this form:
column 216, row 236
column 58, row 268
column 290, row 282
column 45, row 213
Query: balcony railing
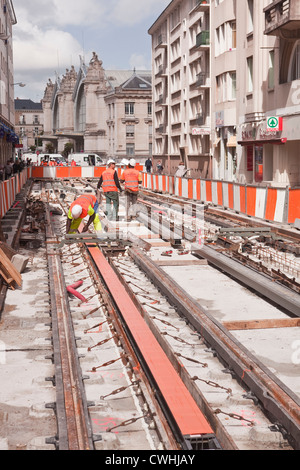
column 282, row 18
column 203, row 39
column 203, row 79
column 201, row 5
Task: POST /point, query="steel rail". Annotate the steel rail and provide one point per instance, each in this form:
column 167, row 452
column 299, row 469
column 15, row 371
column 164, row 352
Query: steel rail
column 277, row 400
column 282, row 296
column 164, row 430
column 74, row 427
column 134, row 326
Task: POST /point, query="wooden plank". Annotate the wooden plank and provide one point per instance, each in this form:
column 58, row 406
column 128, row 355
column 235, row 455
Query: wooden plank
column 262, row 324
column 155, row 243
column 187, row 262
column 8, row 270
column 8, row 250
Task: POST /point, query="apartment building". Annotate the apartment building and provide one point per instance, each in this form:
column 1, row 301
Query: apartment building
column 29, row 122
column 108, row 112
column 182, row 87
column 226, row 79
column 8, row 138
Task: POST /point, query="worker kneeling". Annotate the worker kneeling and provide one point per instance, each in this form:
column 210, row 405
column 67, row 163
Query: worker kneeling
column 83, row 206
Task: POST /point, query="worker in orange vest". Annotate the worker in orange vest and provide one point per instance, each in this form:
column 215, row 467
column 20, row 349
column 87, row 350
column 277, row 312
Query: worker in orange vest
column 132, row 179
column 110, row 184
column 83, row 206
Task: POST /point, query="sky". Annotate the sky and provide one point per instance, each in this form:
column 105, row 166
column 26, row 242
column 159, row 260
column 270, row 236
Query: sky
column 51, row 35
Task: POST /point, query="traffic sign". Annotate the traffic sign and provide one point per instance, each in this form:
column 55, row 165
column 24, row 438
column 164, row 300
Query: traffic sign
column 274, row 124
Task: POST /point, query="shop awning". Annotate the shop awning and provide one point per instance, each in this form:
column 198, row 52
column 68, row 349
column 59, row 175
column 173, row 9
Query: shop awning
column 232, row 141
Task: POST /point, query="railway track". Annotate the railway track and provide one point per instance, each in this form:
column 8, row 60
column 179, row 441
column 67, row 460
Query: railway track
column 100, row 370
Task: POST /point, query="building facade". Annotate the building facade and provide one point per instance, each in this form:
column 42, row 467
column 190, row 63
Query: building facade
column 29, row 123
column 8, row 138
column 226, row 79
column 182, row 87
column 99, row 111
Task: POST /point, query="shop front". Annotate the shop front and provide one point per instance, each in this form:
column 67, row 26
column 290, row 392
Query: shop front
column 258, row 143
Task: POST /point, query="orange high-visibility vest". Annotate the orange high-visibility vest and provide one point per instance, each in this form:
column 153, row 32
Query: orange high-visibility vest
column 85, row 201
column 109, row 184
column 131, row 178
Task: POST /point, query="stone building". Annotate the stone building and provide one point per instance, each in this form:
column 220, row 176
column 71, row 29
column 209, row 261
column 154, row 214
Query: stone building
column 8, row 137
column 88, row 109
column 29, row 122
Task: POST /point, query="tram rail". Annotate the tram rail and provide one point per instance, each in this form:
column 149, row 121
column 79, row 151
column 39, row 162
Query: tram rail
column 74, row 426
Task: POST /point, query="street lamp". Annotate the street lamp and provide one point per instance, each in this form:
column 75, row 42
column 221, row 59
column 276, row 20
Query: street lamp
column 20, row 84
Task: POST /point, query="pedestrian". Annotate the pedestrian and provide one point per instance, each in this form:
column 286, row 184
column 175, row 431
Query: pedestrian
column 8, row 170
column 181, row 170
column 159, row 167
column 148, row 165
column 85, row 205
column 110, row 184
column 132, row 179
column 1, row 172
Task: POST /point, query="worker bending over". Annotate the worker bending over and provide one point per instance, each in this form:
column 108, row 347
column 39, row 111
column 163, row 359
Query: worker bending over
column 132, row 179
column 83, row 206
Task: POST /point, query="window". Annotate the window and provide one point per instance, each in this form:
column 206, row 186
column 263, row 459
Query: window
column 130, row 131
column 232, row 94
column 250, row 16
column 271, row 71
column 149, row 108
column 129, row 108
column 250, row 74
column 295, row 64
column 130, row 150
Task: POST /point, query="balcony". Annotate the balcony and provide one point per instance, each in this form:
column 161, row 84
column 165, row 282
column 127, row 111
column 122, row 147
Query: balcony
column 161, row 41
column 203, row 80
column 162, row 71
column 203, row 40
column 282, row 19
column 202, row 5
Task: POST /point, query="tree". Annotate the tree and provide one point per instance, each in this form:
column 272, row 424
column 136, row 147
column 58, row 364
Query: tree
column 69, row 147
column 49, row 148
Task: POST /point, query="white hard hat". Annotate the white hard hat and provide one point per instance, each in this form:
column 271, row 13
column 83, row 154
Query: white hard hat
column 76, row 211
column 132, row 162
column 124, row 161
column 110, row 161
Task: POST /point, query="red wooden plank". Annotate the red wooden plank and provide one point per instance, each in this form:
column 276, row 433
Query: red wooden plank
column 183, row 407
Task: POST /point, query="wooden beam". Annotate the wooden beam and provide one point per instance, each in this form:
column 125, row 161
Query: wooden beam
column 262, row 324
column 181, row 262
column 8, row 271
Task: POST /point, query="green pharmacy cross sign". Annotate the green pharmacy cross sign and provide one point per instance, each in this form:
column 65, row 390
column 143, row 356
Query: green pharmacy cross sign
column 274, row 124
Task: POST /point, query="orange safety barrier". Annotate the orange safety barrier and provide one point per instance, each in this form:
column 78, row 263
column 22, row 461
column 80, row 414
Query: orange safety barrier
column 294, row 205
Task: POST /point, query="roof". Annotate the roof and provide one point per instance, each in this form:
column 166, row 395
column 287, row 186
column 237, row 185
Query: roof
column 27, row 105
column 136, row 82
column 117, row 78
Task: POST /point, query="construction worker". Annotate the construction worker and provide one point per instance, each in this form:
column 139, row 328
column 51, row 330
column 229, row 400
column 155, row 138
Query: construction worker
column 83, row 206
column 110, row 184
column 132, row 179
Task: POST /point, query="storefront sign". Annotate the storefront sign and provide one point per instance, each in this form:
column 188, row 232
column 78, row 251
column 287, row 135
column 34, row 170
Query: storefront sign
column 200, row 131
column 274, row 124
